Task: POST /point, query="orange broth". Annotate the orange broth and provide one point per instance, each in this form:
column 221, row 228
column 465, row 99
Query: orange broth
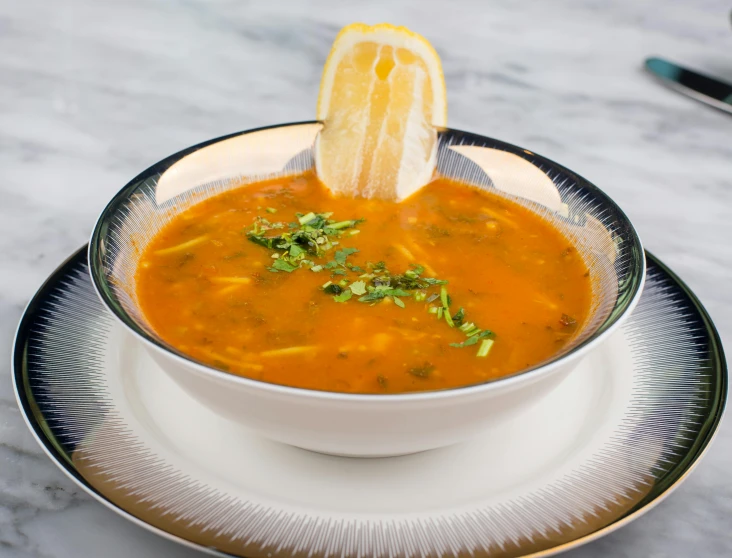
column 207, row 289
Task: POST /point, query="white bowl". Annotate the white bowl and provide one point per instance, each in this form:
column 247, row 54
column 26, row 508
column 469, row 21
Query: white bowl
column 352, row 424
column 362, row 425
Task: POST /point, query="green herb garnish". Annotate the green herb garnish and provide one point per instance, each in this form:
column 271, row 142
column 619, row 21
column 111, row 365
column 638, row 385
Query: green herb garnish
column 264, row 241
column 281, row 265
column 443, row 298
column 344, row 296
column 332, row 288
column 341, row 255
column 395, row 292
column 372, row 296
column 485, row 347
column 358, row 288
column 472, row 340
column 342, row 225
column 410, row 280
column 305, row 219
column 459, row 317
column 295, row 251
column 314, row 234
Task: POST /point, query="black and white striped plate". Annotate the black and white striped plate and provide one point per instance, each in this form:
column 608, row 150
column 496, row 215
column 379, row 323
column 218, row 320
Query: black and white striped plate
column 619, row 434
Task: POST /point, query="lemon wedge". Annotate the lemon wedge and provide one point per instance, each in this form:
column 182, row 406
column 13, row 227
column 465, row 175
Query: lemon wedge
column 381, row 96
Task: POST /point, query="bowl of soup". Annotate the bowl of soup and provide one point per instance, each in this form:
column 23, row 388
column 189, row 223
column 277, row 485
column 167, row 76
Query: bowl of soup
column 364, row 327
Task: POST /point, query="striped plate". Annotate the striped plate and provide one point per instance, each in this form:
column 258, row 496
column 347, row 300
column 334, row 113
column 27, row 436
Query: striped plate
column 619, row 434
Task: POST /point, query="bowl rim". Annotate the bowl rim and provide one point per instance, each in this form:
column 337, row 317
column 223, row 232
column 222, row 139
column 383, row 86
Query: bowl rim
column 606, row 329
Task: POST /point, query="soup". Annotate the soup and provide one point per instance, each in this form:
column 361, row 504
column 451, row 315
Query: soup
column 281, row 281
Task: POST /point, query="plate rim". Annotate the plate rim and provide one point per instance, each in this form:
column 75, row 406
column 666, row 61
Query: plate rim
column 32, row 417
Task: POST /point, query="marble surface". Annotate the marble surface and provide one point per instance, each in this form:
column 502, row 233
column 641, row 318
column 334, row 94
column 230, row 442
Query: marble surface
column 93, row 92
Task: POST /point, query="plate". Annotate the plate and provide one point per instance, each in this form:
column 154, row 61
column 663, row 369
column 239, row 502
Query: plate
column 618, row 435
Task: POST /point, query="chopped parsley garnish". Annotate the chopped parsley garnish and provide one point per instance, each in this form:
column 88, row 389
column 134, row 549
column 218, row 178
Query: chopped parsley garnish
column 358, row 288
column 343, row 225
column 344, row 296
column 443, row 298
column 310, row 237
column 281, row 265
column 473, row 340
column 341, row 255
column 416, row 271
column 407, row 282
column 305, row 219
column 396, row 292
column 459, row 317
column 485, row 347
column 295, row 251
column 373, row 296
column 378, row 293
column 263, row 241
column 314, row 234
column 332, row 288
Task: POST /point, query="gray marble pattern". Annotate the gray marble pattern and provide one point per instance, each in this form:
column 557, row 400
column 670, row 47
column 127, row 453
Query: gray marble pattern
column 92, row 92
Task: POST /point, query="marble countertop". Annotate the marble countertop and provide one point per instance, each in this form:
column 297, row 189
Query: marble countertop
column 93, row 92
